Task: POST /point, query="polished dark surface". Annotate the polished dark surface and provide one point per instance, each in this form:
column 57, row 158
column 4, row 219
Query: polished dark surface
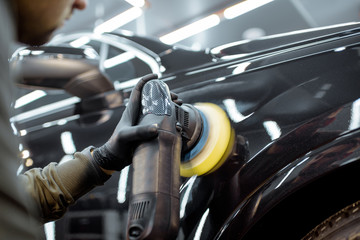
column 296, row 114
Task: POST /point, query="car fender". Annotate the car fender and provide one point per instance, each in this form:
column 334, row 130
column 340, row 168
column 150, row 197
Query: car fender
column 319, row 174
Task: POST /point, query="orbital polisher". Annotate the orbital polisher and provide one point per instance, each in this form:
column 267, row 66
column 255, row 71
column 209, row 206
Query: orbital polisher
column 192, row 140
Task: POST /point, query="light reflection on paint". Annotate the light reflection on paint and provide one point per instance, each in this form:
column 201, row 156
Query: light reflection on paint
column 273, row 129
column 121, row 194
column 185, row 199
column 201, row 225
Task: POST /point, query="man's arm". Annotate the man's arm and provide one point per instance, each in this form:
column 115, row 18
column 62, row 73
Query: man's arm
column 57, row 186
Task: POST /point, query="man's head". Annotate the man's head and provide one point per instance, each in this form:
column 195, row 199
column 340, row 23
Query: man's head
column 36, row 20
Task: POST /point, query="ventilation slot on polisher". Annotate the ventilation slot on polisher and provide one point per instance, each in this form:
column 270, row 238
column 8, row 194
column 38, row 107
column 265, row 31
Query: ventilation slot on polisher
column 182, row 116
column 186, row 119
column 191, row 122
column 139, row 209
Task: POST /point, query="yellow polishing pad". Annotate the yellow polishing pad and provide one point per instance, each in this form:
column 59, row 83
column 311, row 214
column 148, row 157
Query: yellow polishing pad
column 218, row 144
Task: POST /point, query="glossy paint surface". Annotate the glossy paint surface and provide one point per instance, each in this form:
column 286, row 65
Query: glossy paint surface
column 296, row 114
column 288, row 110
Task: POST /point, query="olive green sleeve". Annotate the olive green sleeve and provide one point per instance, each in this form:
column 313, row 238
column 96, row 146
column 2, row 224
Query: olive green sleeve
column 57, row 186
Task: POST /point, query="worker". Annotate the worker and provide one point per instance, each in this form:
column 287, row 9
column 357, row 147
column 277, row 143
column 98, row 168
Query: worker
column 41, row 195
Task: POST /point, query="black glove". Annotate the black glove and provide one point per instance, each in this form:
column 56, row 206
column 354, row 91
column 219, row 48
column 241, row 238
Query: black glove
column 175, row 98
column 118, row 151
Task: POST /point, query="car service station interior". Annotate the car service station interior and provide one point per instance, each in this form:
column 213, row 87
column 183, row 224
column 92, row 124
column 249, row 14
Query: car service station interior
column 248, row 125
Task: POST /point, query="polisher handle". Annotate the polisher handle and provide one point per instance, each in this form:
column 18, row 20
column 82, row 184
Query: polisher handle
column 154, row 203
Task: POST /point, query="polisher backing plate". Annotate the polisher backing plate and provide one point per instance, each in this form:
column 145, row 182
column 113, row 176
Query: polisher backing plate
column 219, row 138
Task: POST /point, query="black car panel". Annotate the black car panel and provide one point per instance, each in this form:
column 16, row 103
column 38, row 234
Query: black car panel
column 295, row 112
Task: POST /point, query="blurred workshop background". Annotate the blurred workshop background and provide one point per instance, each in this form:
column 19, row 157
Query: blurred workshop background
column 200, row 24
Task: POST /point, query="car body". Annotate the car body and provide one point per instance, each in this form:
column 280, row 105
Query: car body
column 292, row 99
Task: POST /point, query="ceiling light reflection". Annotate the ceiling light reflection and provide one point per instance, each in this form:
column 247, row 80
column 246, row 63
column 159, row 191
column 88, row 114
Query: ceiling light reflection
column 136, row 3
column 234, row 114
column 114, row 41
column 28, row 98
column 60, row 121
column 119, row 20
column 119, row 59
column 201, row 225
column 217, row 50
column 185, row 199
column 191, row 29
column 355, row 115
column 340, row 49
column 285, row 177
column 244, row 7
column 24, row 52
column 121, row 194
column 162, row 68
column 127, row 84
column 240, row 68
column 290, row 171
column 37, row 52
column 67, row 143
column 20, row 169
column 49, row 229
column 322, row 92
column 13, row 127
column 29, row 162
column 220, row 79
column 25, row 154
column 90, row 53
column 47, row 109
column 23, row 132
column 273, row 129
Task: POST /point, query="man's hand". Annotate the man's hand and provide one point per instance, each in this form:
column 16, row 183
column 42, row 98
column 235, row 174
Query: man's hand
column 117, row 152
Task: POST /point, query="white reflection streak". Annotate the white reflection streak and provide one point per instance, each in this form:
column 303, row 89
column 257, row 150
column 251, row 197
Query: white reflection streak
column 37, row 52
column 240, row 68
column 20, row 169
column 220, row 79
column 60, row 121
column 185, row 199
column 273, row 129
column 201, row 225
column 355, row 115
column 233, row 112
column 67, row 143
column 23, row 132
column 119, row 59
column 191, row 29
column 119, row 20
column 291, row 170
column 136, row 3
column 286, row 176
column 243, row 7
column 25, row 52
column 340, row 49
column 121, row 194
column 13, row 127
column 47, row 109
column 80, row 42
column 50, row 230
column 28, row 98
column 127, row 84
column 25, row 154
